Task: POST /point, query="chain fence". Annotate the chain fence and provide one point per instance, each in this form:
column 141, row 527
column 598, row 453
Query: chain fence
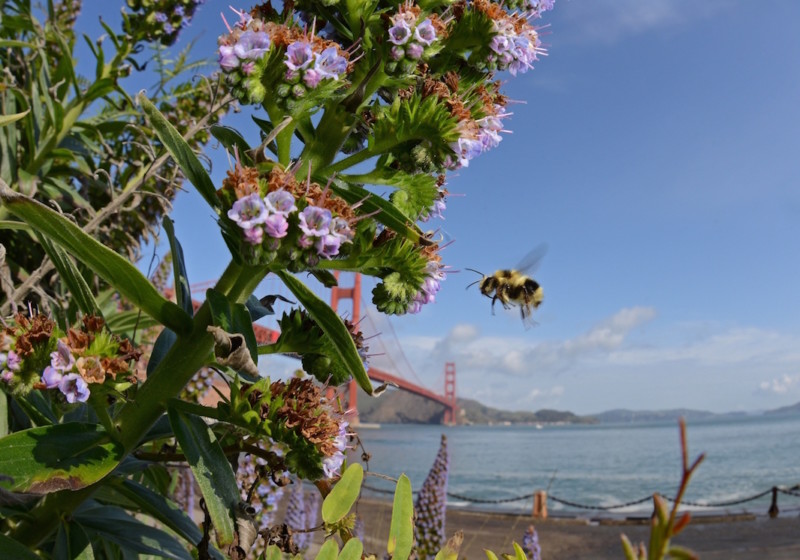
column 794, row 491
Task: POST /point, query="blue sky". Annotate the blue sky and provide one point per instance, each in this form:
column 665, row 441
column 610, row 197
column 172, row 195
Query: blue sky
column 656, row 155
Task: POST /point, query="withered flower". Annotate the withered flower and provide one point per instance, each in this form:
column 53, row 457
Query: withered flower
column 91, row 369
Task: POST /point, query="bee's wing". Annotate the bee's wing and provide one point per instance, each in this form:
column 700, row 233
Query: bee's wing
column 530, row 262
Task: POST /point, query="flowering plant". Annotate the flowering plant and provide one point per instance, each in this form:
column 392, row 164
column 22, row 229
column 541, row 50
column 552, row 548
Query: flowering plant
column 350, row 96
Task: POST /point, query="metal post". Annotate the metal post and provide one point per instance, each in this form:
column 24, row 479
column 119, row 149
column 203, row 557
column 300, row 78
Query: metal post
column 773, row 508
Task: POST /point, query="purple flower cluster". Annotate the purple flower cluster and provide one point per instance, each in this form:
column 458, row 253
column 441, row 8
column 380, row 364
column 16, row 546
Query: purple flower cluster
column 409, row 37
column 268, row 218
column 305, row 65
column 431, row 505
column 530, row 544
column 162, row 19
column 514, row 51
column 535, row 8
column 434, row 275
column 301, row 513
column 56, row 375
column 332, row 465
column 247, row 42
column 478, row 137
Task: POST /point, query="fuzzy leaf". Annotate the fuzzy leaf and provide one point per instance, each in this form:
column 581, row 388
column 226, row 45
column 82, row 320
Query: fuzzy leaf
column 186, row 159
column 401, row 531
column 57, row 457
column 338, row 503
column 352, row 550
column 328, row 551
column 332, row 326
column 211, row 470
column 111, row 267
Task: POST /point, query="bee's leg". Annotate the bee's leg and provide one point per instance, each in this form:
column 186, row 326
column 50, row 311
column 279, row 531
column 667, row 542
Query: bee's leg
column 494, row 299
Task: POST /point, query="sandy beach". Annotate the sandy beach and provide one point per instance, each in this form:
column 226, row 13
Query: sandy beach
column 734, row 537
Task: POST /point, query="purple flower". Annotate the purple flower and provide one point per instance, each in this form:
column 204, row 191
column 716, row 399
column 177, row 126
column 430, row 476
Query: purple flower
column 6, row 376
column 276, row 226
column 500, row 44
column 399, row 33
column 530, row 544
column 298, row 55
column 74, row 388
column 251, row 45
column 436, row 211
column 179, row 11
column 467, row 149
column 332, row 464
column 248, row 211
column 414, row 51
column 160, row 17
column 340, row 228
column 254, row 235
column 280, row 202
column 328, row 245
column 315, row 221
column 62, row 358
column 312, row 78
column 13, row 361
column 227, row 58
column 425, row 33
column 330, row 64
column 247, row 67
column 51, row 377
column 168, row 28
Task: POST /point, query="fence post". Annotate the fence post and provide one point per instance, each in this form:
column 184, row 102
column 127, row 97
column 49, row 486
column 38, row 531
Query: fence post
column 540, row 504
column 773, row 508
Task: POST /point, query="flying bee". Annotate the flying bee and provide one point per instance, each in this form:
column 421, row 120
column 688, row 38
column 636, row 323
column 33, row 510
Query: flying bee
column 513, row 287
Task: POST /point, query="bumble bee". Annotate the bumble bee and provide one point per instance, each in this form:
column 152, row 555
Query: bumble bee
column 513, row 287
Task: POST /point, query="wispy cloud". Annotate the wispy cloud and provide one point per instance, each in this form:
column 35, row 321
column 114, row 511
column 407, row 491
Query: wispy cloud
column 608, row 21
column 781, row 385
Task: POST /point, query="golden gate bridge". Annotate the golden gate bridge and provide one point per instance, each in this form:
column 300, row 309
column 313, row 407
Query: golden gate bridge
column 390, row 371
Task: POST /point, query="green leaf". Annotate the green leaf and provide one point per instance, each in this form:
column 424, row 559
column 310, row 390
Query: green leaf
column 113, row 524
column 331, row 325
column 328, row 551
column 71, row 276
column 272, row 553
column 211, row 469
column 519, row 553
column 58, row 457
column 680, row 553
column 233, row 318
column 491, row 555
column 166, row 339
column 243, row 324
column 3, row 414
column 9, row 548
column 72, row 543
column 387, row 214
column 125, row 322
column 351, row 550
column 8, row 119
column 183, row 154
column 183, row 293
column 164, row 510
column 337, row 504
column 107, row 264
column 233, row 141
column 401, row 531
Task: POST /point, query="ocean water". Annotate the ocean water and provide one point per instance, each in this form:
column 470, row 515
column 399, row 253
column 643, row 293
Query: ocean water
column 598, row 465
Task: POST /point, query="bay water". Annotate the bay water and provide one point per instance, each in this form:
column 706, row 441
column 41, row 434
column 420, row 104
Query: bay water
column 597, row 465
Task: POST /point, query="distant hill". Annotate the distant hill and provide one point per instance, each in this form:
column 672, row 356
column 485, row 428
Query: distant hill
column 400, row 407
column 785, row 410
column 625, row 416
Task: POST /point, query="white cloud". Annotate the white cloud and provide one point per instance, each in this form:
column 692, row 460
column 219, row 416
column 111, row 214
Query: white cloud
column 779, row 386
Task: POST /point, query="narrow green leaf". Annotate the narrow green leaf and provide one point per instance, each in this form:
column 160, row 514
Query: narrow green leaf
column 72, row 543
column 71, row 276
column 181, row 152
column 183, row 293
column 211, row 469
column 273, row 553
column 328, row 551
column 387, row 214
column 680, row 553
column 163, row 344
column 338, row 503
column 233, row 141
column 9, row 548
column 3, row 414
column 113, row 524
column 58, row 457
column 221, row 315
column 491, row 555
column 351, row 550
column 243, row 324
column 8, row 119
column 107, row 264
column 125, row 322
column 519, row 553
column 332, row 326
column 401, row 531
column 627, row 547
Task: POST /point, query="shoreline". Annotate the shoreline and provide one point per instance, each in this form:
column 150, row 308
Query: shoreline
column 735, row 536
